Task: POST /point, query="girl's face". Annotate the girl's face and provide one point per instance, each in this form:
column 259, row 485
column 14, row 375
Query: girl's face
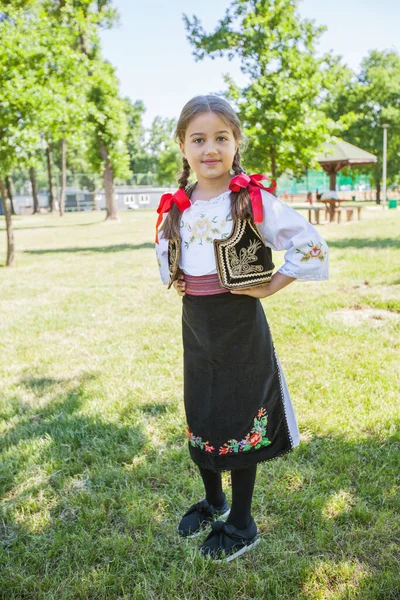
column 209, row 146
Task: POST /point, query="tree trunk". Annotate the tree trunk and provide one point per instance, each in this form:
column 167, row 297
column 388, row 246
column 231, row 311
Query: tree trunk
column 63, row 175
column 32, row 177
column 52, row 197
column 10, row 194
column 108, row 177
column 10, row 232
column 378, row 190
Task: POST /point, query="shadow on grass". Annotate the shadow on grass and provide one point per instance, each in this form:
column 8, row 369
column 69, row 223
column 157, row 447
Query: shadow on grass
column 60, row 226
column 42, row 384
column 114, row 248
column 326, row 512
column 154, row 408
column 365, row 243
column 71, row 445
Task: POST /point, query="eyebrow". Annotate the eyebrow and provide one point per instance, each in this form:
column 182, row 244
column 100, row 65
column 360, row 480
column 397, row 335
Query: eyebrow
column 222, row 131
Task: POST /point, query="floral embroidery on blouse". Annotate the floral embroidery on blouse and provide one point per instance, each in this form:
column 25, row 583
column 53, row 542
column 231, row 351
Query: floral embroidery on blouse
column 205, row 229
column 256, row 438
column 314, row 252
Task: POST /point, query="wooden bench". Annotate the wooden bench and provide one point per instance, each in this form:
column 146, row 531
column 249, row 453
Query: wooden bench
column 316, row 210
column 349, row 210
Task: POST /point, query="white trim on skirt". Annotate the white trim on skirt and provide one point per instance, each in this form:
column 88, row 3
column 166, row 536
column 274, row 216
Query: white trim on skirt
column 289, row 410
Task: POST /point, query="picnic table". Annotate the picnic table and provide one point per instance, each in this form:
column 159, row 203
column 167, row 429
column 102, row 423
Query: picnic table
column 331, row 204
column 316, row 210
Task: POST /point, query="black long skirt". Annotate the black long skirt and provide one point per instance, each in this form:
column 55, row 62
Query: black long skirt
column 237, row 404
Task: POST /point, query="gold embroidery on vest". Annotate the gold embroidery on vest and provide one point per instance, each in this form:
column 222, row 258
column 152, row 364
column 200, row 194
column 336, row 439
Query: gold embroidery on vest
column 234, row 267
column 240, row 265
column 174, row 253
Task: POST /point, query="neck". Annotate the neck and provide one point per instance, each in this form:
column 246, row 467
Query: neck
column 213, row 186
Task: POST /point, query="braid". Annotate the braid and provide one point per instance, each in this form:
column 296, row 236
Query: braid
column 183, row 179
column 236, row 166
column 171, row 225
column 240, row 201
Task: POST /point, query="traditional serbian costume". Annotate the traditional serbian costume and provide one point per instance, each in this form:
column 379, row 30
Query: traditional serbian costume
column 237, row 403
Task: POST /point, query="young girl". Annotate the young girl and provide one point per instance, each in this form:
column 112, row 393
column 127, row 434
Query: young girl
column 237, row 404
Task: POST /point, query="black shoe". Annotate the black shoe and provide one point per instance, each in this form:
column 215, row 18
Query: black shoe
column 199, row 516
column 226, row 542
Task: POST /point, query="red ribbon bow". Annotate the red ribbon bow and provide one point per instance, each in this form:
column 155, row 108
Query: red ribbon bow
column 252, row 182
column 167, row 200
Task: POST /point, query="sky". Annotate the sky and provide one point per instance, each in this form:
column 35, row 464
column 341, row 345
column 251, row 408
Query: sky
column 154, row 61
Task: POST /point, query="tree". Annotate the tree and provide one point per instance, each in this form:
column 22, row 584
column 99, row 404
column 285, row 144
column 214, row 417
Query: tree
column 72, row 111
column 280, row 107
column 136, row 134
column 152, row 150
column 109, row 130
column 21, row 60
column 10, row 193
column 106, row 116
column 65, row 107
column 167, row 160
column 363, row 103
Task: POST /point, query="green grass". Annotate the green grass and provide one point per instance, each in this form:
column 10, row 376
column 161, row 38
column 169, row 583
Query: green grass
column 95, row 471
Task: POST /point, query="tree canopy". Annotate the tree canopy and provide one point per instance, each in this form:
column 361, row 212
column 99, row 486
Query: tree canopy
column 363, row 102
column 280, row 108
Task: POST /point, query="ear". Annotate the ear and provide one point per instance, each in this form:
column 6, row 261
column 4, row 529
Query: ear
column 181, row 147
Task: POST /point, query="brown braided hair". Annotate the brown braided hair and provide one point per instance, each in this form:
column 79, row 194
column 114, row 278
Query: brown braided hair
column 240, row 201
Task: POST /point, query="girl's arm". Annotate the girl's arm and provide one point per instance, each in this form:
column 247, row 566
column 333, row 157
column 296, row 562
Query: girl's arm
column 306, row 252
column 162, row 260
column 161, row 249
column 278, row 281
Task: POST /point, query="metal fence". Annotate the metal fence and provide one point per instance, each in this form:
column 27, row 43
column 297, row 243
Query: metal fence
column 319, row 180
column 84, row 190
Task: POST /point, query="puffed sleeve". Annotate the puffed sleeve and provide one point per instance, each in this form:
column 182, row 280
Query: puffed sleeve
column 162, row 257
column 283, row 228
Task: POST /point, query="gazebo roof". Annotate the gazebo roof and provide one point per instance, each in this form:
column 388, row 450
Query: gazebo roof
column 341, row 154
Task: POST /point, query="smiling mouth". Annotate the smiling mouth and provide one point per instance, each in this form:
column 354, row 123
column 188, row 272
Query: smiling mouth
column 210, row 162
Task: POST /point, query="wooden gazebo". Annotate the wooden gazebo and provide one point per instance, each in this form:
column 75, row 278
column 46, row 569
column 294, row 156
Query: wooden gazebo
column 341, row 154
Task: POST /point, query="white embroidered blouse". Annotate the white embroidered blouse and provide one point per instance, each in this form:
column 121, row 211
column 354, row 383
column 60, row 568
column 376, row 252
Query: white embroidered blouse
column 283, row 228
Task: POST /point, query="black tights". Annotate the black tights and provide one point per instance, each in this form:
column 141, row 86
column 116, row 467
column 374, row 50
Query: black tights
column 242, row 493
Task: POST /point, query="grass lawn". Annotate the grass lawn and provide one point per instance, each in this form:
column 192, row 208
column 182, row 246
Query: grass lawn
column 95, row 471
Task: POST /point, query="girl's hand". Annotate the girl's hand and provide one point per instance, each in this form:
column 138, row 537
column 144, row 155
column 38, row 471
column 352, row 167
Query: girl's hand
column 278, row 281
column 180, row 284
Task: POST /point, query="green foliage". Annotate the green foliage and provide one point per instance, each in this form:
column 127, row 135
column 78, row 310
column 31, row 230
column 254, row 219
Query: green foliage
column 164, row 151
column 55, row 84
column 84, row 13
column 139, row 159
column 22, row 58
column 43, row 84
column 169, row 165
column 152, row 150
column 280, row 108
column 66, row 84
column 107, row 119
column 362, row 103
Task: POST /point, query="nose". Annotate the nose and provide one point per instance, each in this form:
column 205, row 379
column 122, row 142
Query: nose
column 210, row 148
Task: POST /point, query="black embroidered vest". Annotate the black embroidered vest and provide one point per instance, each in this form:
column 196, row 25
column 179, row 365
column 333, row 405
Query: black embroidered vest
column 243, row 260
